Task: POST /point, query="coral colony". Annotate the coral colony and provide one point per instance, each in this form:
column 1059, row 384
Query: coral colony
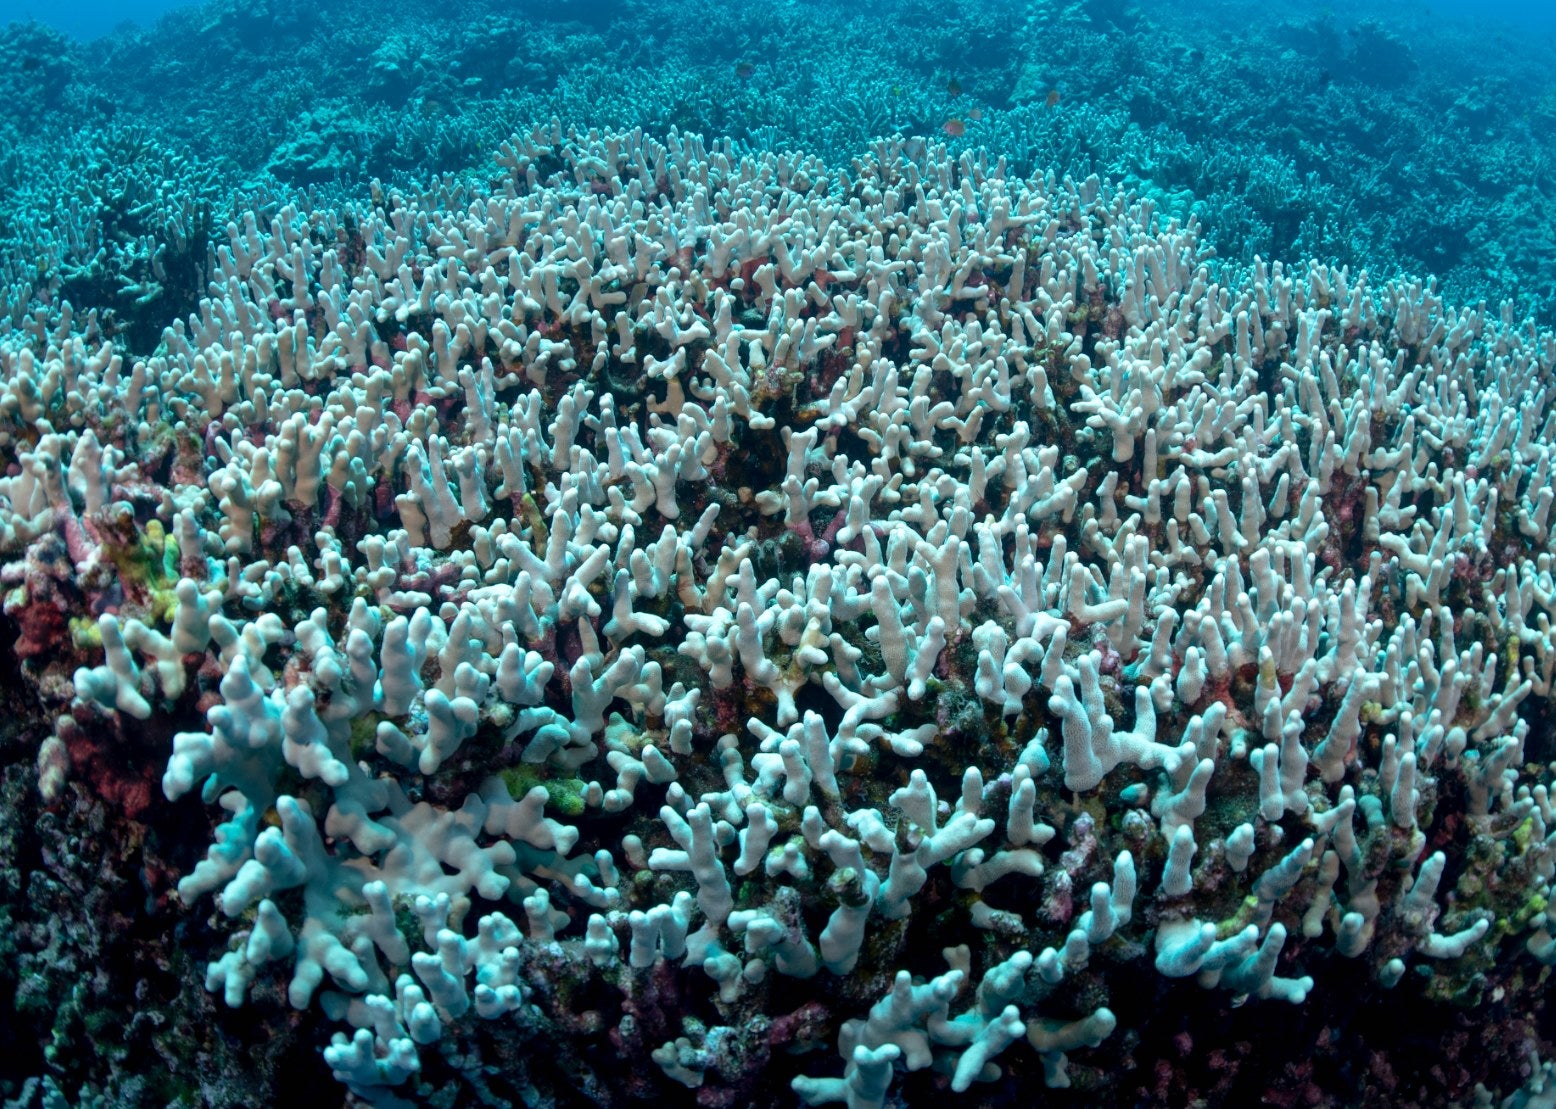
column 882, row 605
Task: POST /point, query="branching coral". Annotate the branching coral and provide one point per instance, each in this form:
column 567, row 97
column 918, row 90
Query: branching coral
column 755, row 572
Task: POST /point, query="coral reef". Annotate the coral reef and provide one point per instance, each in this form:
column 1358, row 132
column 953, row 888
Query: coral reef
column 1404, row 141
column 815, row 632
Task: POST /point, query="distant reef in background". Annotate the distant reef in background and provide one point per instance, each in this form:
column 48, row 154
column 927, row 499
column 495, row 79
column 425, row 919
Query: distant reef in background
column 1383, row 142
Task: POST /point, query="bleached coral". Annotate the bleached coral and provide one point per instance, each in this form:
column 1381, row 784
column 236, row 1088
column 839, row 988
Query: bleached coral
column 718, row 514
